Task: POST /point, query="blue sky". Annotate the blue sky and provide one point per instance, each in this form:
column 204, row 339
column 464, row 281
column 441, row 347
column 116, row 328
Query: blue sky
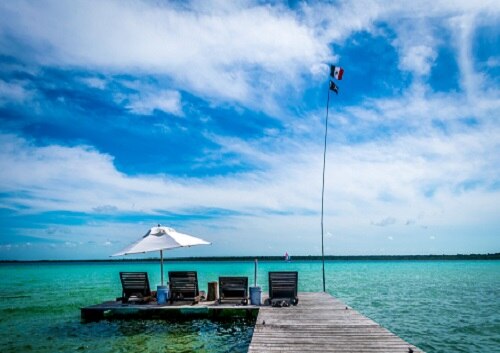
column 208, row 116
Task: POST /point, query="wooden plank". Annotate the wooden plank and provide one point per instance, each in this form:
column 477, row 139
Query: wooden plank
column 177, row 310
column 322, row 323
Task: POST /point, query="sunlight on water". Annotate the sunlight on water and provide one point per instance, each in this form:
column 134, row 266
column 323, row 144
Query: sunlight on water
column 437, row 305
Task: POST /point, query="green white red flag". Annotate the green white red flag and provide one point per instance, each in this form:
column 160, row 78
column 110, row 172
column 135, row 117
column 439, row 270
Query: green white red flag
column 336, row 72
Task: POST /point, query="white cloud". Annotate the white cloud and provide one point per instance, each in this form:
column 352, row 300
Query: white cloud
column 418, row 59
column 13, row 92
column 388, row 221
column 215, row 51
column 105, row 209
column 146, row 103
column 415, row 26
column 95, row 82
column 463, row 27
column 244, row 52
column 441, row 180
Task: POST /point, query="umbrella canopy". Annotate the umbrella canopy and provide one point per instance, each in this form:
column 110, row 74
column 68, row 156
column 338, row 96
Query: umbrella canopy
column 159, row 239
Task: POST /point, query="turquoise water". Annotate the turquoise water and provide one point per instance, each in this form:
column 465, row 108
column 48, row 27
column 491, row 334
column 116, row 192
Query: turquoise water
column 440, row 306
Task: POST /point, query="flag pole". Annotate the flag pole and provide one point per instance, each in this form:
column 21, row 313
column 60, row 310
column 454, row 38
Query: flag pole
column 323, row 190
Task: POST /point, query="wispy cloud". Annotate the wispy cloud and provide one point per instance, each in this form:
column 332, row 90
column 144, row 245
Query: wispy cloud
column 108, row 108
column 165, row 101
column 385, row 222
column 81, row 179
column 208, row 50
column 13, row 93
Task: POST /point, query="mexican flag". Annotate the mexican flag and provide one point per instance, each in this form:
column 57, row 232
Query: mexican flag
column 336, row 72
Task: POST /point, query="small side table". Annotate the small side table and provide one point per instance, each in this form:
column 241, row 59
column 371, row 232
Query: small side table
column 213, row 291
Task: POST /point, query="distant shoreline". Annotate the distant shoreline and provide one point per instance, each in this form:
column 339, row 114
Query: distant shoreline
column 495, row 256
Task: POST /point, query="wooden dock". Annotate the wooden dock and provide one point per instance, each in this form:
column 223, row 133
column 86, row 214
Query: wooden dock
column 321, row 323
column 112, row 310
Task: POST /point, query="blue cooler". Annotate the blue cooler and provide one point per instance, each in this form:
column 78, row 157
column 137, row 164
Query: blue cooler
column 255, row 295
column 162, row 294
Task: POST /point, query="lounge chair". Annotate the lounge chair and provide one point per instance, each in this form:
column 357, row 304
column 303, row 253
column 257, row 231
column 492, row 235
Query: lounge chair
column 135, row 287
column 183, row 286
column 283, row 288
column 233, row 288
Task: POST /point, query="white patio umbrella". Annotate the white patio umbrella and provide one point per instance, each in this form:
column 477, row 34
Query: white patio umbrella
column 159, row 239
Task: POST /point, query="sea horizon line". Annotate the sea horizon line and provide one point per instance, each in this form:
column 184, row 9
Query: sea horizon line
column 488, row 256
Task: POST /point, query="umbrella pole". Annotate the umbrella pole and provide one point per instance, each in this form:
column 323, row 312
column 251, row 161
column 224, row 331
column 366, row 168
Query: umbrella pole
column 161, row 261
column 255, row 274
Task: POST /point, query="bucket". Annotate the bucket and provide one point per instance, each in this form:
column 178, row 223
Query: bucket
column 255, row 295
column 162, row 294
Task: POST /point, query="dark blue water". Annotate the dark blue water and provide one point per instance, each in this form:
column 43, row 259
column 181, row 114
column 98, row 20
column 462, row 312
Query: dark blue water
column 440, row 306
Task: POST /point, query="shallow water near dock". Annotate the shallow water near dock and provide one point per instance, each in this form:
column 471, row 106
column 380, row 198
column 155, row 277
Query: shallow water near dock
column 436, row 305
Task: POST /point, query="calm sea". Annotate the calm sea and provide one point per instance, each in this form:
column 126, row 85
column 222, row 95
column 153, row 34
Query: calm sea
column 440, row 306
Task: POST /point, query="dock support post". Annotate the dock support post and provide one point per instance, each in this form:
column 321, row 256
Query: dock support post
column 91, row 315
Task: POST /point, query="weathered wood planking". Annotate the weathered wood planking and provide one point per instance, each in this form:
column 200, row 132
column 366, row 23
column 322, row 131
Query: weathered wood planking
column 321, row 323
column 178, row 310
